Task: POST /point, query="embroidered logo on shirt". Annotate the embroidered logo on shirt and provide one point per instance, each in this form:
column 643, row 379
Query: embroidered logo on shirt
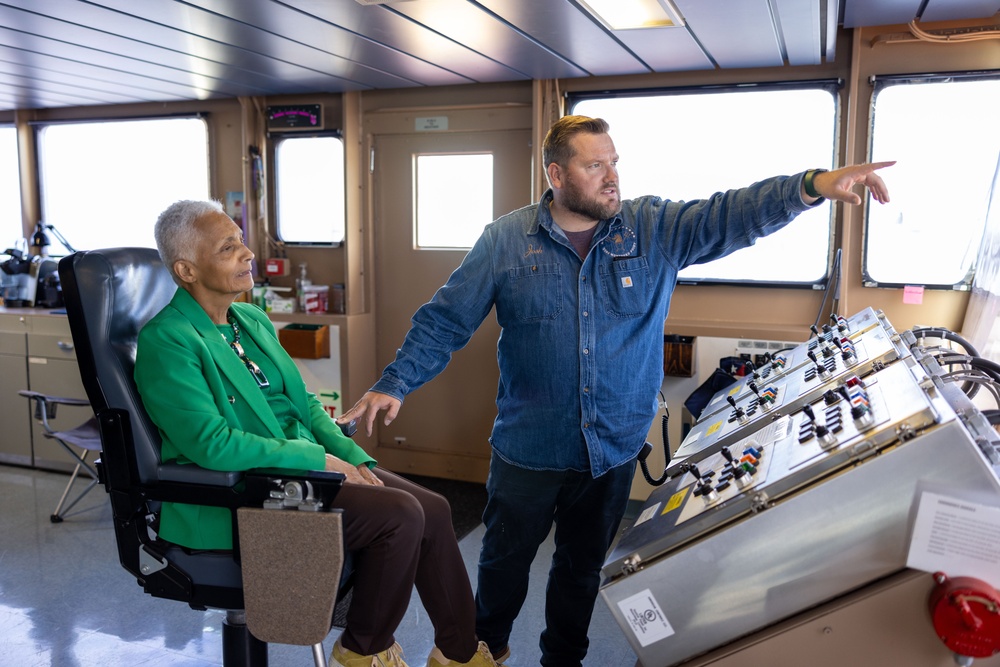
column 626, row 281
column 532, row 251
column 619, row 243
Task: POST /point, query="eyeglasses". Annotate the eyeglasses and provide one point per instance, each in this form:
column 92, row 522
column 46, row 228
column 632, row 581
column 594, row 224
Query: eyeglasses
column 254, row 369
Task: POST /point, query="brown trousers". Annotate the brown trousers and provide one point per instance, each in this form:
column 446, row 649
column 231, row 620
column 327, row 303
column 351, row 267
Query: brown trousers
column 401, row 535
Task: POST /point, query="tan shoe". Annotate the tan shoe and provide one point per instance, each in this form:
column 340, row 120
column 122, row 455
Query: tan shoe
column 391, row 657
column 482, row 658
column 502, row 655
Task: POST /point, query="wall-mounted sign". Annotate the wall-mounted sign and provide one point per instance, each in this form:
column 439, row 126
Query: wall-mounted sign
column 431, row 123
column 295, row 117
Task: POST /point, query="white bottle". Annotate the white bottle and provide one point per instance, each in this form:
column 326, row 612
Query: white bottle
column 300, row 287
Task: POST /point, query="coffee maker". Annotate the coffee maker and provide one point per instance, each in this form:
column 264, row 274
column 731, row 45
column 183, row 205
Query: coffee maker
column 20, row 277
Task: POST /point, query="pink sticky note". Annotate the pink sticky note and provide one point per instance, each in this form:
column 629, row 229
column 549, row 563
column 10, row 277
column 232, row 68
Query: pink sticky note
column 913, row 294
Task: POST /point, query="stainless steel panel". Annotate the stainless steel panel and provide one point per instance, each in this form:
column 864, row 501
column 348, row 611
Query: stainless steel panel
column 817, row 521
column 788, row 461
column 841, row 533
column 782, row 364
column 874, row 347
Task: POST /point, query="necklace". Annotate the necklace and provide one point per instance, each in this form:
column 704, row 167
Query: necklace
column 254, row 369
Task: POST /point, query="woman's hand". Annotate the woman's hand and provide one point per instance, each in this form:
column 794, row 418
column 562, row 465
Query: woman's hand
column 359, row 474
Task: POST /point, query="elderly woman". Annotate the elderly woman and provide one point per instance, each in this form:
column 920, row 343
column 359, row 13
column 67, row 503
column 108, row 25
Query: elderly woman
column 226, row 396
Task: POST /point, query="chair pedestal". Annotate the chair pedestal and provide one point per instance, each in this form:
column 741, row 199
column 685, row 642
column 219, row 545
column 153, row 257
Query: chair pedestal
column 239, row 647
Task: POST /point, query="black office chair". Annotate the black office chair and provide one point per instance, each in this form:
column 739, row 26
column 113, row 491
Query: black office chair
column 110, row 295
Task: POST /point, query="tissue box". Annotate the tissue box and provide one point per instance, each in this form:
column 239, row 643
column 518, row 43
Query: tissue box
column 306, row 341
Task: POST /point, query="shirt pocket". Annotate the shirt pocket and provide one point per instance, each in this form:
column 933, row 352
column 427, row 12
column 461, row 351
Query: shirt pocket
column 536, row 291
column 627, row 287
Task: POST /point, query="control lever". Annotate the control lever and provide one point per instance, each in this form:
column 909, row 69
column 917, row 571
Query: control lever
column 740, row 474
column 703, row 486
column 820, row 367
column 860, row 413
column 823, row 435
column 741, row 416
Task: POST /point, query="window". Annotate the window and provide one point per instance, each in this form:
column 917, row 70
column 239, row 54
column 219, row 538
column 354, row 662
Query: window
column 687, row 144
column 944, row 135
column 103, row 184
column 11, row 231
column 454, row 199
column 309, row 190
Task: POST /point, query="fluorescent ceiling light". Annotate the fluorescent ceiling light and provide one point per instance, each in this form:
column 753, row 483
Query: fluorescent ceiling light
column 630, row 14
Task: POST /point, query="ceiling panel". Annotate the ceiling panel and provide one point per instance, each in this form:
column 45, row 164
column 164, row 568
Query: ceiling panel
column 15, row 76
column 667, row 49
column 317, row 44
column 802, row 30
column 201, row 86
column 57, row 53
column 573, row 34
column 948, row 10
column 859, row 13
column 216, row 42
column 469, row 23
column 381, row 25
column 43, row 66
column 736, row 34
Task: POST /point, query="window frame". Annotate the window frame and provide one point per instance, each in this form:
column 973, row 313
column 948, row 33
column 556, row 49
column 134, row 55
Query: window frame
column 38, row 127
column 879, row 83
column 417, row 205
column 834, row 86
column 274, row 140
column 19, row 228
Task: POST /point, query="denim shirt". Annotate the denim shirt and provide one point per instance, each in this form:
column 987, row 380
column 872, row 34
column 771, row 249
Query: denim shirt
column 581, row 342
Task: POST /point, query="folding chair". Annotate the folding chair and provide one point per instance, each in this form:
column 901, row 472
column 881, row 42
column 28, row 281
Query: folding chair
column 84, row 438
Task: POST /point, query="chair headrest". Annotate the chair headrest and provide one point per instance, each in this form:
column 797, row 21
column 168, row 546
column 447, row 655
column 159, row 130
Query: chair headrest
column 110, row 294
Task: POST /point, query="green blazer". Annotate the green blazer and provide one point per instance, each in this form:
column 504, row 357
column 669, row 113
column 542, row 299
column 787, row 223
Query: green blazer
column 210, row 411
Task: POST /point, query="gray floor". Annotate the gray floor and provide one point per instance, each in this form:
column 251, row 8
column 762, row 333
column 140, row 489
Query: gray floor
column 66, row 602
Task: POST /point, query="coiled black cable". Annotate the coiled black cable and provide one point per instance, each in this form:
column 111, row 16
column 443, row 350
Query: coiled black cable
column 647, row 448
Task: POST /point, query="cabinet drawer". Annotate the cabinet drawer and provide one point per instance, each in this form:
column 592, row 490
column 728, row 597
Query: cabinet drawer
column 12, row 343
column 51, row 346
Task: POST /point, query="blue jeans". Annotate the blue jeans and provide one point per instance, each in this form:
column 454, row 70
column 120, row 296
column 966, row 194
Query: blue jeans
column 521, row 507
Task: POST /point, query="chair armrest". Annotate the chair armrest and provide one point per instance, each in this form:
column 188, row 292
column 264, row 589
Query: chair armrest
column 192, row 474
column 191, row 484
column 46, row 398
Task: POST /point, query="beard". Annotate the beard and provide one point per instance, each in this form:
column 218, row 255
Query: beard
column 575, row 200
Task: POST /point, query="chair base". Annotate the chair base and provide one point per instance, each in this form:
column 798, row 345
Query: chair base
column 239, row 647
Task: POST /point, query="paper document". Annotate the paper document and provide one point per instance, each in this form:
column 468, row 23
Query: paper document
column 956, row 536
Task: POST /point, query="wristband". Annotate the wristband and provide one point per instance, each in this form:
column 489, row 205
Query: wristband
column 807, row 183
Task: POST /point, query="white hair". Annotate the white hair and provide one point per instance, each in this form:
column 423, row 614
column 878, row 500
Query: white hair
column 175, row 232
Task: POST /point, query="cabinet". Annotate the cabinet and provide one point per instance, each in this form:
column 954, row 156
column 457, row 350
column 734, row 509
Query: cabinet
column 15, row 415
column 37, row 353
column 52, row 369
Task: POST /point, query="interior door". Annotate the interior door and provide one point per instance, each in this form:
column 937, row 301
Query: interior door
column 443, row 428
